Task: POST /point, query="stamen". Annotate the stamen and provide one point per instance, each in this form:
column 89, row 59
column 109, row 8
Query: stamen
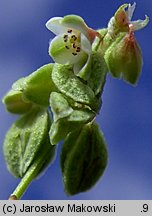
column 69, row 31
column 74, row 46
column 67, row 47
column 65, row 38
column 78, row 49
column 74, row 37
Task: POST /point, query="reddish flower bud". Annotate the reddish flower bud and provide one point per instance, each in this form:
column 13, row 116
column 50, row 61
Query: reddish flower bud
column 124, row 57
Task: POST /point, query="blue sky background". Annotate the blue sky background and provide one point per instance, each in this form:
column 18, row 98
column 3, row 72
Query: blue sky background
column 126, row 115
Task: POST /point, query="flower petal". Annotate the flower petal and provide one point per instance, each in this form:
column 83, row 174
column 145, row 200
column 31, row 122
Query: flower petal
column 83, row 60
column 76, row 22
column 54, row 25
column 130, row 11
column 63, row 54
column 139, row 24
column 85, row 44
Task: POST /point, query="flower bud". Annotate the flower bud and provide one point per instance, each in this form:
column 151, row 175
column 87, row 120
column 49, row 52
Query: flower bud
column 26, row 141
column 124, row 58
column 14, row 102
column 83, row 158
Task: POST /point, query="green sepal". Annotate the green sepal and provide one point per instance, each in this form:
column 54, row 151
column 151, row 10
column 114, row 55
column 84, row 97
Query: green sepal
column 83, row 159
column 124, row 58
column 39, row 85
column 59, row 106
column 19, row 85
column 95, row 72
column 73, row 87
column 112, row 61
column 121, row 20
column 15, row 103
column 63, row 126
column 25, row 140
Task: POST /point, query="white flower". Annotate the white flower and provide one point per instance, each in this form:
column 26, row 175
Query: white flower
column 72, row 44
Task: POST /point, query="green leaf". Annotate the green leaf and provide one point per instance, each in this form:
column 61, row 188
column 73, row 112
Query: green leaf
column 61, row 128
column 15, row 103
column 25, row 140
column 83, row 159
column 73, row 87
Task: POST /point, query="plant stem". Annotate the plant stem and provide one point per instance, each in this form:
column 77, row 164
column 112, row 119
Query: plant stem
column 29, row 176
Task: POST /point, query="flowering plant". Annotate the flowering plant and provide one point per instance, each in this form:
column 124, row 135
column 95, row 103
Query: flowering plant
column 73, row 42
column 60, row 100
